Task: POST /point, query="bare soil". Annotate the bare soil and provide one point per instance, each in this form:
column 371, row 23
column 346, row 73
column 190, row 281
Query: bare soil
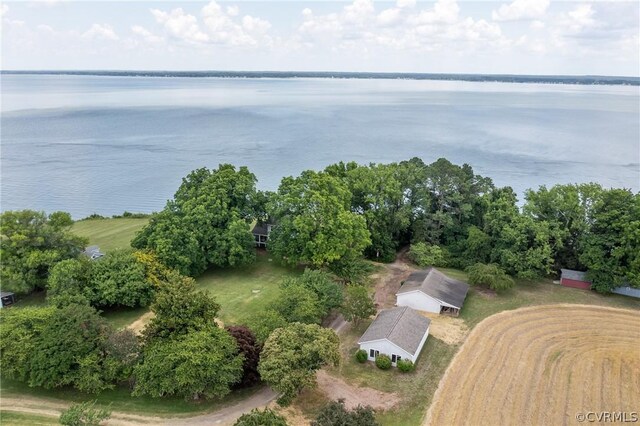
column 336, row 388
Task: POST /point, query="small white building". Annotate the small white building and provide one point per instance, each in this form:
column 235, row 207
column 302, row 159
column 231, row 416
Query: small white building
column 398, row 332
column 432, row 291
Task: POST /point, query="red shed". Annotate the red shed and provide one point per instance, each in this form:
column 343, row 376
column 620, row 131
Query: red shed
column 575, row 279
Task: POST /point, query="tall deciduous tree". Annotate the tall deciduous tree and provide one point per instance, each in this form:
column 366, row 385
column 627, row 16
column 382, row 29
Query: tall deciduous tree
column 202, row 363
column 358, row 304
column 32, row 243
column 491, row 276
column 315, row 224
column 207, row 222
column 180, row 309
column 612, row 246
column 250, row 350
column 292, row 355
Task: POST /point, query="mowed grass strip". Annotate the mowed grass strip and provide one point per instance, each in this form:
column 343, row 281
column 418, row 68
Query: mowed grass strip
column 542, row 365
column 109, row 234
column 12, row 418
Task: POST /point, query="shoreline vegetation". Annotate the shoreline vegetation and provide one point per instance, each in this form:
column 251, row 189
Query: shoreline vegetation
column 480, row 78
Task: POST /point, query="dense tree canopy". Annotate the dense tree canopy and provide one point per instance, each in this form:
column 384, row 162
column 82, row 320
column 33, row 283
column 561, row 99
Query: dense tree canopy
column 202, row 363
column 611, row 247
column 315, row 224
column 207, row 222
column 52, row 347
column 32, row 243
column 120, row 278
column 292, row 355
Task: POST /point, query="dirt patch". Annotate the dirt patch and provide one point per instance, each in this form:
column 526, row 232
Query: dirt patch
column 487, row 293
column 542, row 365
column 388, row 282
column 293, row 415
column 138, row 325
column 353, row 396
column 450, row 330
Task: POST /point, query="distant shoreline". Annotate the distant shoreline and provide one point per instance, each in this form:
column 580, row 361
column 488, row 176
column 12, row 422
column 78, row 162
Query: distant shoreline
column 483, row 78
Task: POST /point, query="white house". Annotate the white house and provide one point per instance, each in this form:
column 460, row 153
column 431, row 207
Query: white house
column 432, row 291
column 398, row 332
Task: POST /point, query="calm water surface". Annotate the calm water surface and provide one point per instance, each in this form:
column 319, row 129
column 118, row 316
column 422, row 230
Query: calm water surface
column 88, row 144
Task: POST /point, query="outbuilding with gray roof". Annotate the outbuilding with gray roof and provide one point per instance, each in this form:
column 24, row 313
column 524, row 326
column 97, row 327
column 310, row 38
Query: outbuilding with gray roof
column 398, row 332
column 432, row 291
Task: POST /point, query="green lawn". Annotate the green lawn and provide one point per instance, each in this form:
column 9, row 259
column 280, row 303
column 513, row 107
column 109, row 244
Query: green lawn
column 109, row 234
column 416, row 389
column 241, row 292
column 11, row 418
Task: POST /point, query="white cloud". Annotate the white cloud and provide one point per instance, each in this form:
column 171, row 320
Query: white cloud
column 4, row 9
column 180, row 25
column 520, row 10
column 146, row 35
column 100, row 32
column 537, row 25
column 402, row 4
column 233, row 10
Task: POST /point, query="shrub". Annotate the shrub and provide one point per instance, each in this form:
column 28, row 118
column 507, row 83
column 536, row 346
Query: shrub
column 84, row 414
column 405, row 365
column 427, row 255
column 490, row 275
column 383, row 362
column 256, row 417
column 335, row 413
column 361, row 356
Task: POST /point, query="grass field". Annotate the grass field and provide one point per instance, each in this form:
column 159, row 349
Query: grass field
column 542, row 365
column 241, row 292
column 416, row 390
column 109, row 234
column 11, row 418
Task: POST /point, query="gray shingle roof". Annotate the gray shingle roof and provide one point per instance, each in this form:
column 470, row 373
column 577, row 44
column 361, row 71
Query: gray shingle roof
column 437, row 285
column 402, row 326
column 261, row 228
column 5, row 293
column 570, row 274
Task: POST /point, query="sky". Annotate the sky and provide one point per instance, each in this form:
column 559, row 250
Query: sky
column 446, row 36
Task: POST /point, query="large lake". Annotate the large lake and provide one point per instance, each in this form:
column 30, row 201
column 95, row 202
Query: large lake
column 86, row 144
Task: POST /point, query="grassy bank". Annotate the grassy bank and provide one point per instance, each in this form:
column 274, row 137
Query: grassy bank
column 109, row 234
column 12, row 418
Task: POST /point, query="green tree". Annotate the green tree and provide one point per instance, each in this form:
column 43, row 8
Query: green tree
column 31, row 243
column 358, row 304
column 611, row 247
column 297, row 303
column 18, row 330
column 519, row 244
column 424, row 255
column 264, row 322
column 256, row 417
column 491, row 276
column 119, row 279
column 315, row 224
column 568, row 210
column 202, row 363
column 328, row 292
column 84, row 414
column 207, row 222
column 335, row 413
column 292, row 355
column 70, row 277
column 179, row 309
column 68, row 350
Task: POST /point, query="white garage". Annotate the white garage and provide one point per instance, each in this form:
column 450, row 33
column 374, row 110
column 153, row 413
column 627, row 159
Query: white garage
column 398, row 332
column 432, row 291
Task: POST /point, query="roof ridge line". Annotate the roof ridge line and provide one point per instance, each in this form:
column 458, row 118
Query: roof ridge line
column 393, row 327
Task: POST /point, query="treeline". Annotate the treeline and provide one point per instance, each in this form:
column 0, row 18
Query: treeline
column 334, row 217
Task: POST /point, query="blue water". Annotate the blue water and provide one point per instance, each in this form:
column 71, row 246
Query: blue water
column 95, row 144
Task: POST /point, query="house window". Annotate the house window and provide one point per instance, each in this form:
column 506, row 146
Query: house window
column 395, row 358
column 373, row 353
